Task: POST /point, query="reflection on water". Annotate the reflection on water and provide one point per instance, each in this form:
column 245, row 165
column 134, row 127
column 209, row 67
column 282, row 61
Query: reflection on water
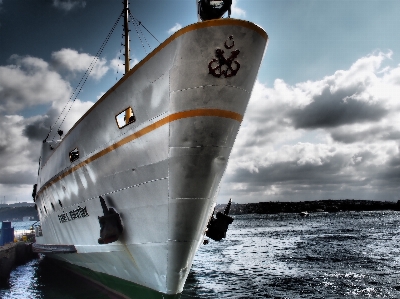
column 39, row 279
column 341, row 255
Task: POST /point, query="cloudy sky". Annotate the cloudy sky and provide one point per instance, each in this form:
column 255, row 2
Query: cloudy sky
column 323, row 120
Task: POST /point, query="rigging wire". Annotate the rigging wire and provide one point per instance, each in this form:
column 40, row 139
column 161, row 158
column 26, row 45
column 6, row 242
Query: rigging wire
column 137, row 24
column 83, row 80
column 139, row 35
column 141, row 24
column 86, row 75
column 141, row 32
column 146, row 43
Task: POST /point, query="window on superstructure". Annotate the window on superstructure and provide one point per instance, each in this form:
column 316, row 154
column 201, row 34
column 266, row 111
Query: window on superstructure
column 52, row 206
column 74, row 155
column 59, row 201
column 125, row 118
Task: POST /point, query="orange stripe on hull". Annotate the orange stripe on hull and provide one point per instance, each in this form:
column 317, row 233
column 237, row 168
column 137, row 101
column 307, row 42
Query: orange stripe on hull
column 144, row 131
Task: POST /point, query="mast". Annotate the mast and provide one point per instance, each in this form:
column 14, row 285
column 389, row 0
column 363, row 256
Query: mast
column 126, row 31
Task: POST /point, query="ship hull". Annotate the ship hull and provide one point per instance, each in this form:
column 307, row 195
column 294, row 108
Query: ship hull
column 160, row 173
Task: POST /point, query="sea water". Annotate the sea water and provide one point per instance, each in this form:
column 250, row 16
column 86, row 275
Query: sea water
column 325, row 255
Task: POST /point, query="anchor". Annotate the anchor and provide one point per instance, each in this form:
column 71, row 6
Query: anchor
column 218, row 226
column 221, row 66
column 110, row 224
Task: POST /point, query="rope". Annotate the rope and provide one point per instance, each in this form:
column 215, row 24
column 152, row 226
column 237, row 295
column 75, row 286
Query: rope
column 84, row 78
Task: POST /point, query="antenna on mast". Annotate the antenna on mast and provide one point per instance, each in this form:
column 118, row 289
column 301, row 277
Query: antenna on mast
column 126, row 31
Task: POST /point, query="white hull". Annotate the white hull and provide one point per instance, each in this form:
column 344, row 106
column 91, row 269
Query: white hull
column 160, row 173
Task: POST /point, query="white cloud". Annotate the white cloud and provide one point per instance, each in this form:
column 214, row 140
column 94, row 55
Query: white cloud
column 118, row 66
column 78, row 109
column 175, row 28
column 29, row 82
column 237, row 12
column 20, row 144
column 338, row 137
column 71, row 60
column 18, row 159
column 100, row 95
column 67, row 5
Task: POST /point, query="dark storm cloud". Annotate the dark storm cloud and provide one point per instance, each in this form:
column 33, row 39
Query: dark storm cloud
column 389, row 175
column 337, row 137
column 371, row 134
column 3, row 148
column 264, row 133
column 336, row 109
column 294, row 173
column 340, row 173
column 38, row 129
column 18, row 178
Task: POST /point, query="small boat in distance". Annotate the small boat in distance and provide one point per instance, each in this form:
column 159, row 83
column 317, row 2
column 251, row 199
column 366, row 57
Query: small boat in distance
column 304, row 214
column 128, row 192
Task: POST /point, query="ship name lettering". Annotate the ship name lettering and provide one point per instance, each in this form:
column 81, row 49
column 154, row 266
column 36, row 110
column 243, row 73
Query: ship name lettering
column 74, row 214
column 63, row 218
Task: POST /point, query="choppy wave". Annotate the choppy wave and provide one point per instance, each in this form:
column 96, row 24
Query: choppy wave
column 335, row 255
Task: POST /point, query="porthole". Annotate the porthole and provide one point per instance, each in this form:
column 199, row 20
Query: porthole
column 125, row 118
column 74, row 155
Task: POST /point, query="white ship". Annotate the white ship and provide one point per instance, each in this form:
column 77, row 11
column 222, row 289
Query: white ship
column 129, row 190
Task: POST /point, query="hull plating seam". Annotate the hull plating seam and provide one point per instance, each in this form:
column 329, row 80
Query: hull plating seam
column 144, row 131
column 108, row 193
column 210, row 85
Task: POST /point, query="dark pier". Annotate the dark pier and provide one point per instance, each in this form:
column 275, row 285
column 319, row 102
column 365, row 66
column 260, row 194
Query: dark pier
column 11, row 255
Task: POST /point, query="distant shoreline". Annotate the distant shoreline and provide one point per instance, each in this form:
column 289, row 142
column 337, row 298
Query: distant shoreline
column 17, row 213
column 329, row 206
